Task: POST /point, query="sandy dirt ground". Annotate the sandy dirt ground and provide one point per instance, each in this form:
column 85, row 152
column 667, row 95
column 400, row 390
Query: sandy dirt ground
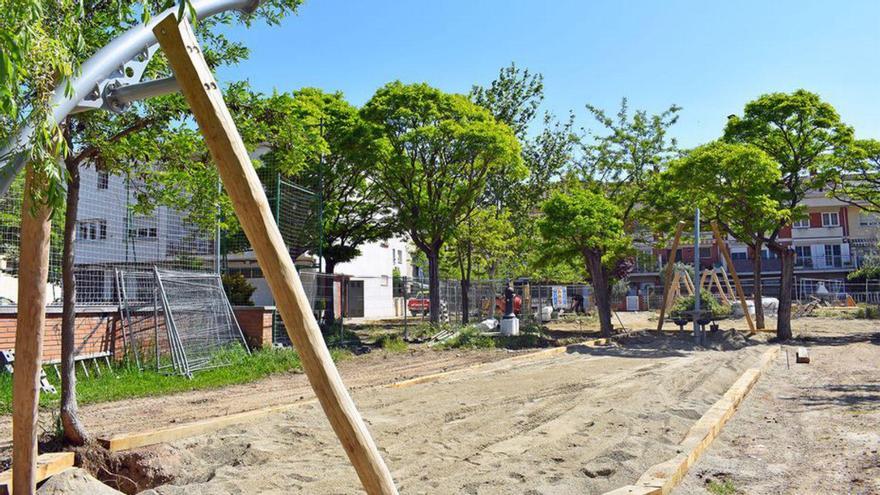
column 376, row 368
column 805, row 428
column 582, row 422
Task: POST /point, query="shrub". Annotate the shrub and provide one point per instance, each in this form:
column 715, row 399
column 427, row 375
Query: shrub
column 470, row 338
column 868, row 313
column 707, row 301
column 391, row 343
column 238, row 289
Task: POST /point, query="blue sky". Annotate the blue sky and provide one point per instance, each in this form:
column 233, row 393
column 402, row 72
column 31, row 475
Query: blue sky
column 710, row 57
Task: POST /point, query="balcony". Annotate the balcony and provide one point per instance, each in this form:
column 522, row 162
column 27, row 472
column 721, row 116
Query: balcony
column 802, row 264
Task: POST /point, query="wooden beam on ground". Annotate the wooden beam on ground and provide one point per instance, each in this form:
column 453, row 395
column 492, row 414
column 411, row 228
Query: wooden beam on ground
column 33, row 275
column 667, row 276
column 802, row 356
column 128, row 441
column 662, row 478
column 47, row 465
column 252, row 209
column 722, row 246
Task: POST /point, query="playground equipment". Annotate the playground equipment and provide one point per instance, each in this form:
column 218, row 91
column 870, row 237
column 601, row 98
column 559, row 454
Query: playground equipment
column 109, row 80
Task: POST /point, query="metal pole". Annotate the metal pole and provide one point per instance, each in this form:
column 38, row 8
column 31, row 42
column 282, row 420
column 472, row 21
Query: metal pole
column 217, row 228
column 697, row 294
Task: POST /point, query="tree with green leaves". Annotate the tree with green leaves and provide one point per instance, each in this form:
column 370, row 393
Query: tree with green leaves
column 578, row 223
column 855, row 175
column 483, row 237
column 320, row 140
column 732, row 184
column 153, row 144
column 437, row 151
column 799, row 132
column 514, row 98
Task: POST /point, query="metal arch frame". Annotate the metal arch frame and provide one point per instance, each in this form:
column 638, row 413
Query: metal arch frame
column 109, row 79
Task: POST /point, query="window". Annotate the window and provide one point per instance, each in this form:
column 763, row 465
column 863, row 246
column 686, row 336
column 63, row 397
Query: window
column 768, row 255
column 739, row 255
column 705, row 253
column 803, row 257
column 832, row 255
column 143, row 233
column 830, row 219
column 803, row 223
column 103, row 179
column 91, row 230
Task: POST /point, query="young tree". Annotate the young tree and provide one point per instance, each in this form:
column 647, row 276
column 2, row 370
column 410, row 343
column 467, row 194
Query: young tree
column 579, row 223
column 797, row 130
column 152, row 143
column 732, row 184
column 483, row 237
column 438, row 150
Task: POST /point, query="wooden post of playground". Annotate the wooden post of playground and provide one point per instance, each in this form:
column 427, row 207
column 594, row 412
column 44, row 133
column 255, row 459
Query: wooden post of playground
column 667, row 277
column 722, row 246
column 33, row 273
column 252, row 208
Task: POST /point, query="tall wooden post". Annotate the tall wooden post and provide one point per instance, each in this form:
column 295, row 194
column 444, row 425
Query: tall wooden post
column 722, row 246
column 33, row 274
column 252, row 208
column 667, row 276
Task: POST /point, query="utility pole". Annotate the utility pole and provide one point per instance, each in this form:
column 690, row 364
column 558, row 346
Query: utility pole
column 697, row 293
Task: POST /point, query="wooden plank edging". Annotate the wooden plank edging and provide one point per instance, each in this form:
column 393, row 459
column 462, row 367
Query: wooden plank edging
column 47, row 465
column 127, row 441
column 661, row 478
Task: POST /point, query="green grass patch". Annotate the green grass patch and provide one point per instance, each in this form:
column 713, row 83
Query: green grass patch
column 392, row 343
column 721, row 487
column 469, row 338
column 127, row 382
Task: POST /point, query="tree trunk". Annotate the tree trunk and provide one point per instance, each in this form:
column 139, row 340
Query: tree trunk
column 434, row 285
column 74, row 431
column 33, row 275
column 759, row 292
column 601, row 292
column 786, row 281
column 326, row 286
column 465, row 301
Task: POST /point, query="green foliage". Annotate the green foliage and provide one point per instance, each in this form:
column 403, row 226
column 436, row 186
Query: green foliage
column 469, row 338
column 238, row 289
column 437, row 151
column 796, row 130
column 392, row 343
column 126, row 382
column 724, row 487
column 868, row 313
column 478, row 243
column 733, row 184
column 855, row 174
column 707, row 302
column 577, row 222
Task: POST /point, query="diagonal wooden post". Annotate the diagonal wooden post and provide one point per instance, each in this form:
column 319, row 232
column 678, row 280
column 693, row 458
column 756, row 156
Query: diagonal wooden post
column 667, row 277
column 722, row 246
column 252, row 208
column 33, row 274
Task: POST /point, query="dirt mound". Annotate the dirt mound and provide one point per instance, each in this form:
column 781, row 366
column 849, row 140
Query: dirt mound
column 133, row 471
column 75, row 482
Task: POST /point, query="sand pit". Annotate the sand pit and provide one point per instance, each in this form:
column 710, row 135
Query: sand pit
column 586, row 421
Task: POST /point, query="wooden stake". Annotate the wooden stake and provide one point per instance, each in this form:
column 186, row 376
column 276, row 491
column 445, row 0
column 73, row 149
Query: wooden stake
column 252, row 208
column 667, row 277
column 722, row 246
column 33, row 275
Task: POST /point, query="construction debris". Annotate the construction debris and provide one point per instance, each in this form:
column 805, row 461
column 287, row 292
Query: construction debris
column 802, row 356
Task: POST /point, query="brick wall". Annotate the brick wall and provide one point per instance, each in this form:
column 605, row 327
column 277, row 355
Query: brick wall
column 98, row 330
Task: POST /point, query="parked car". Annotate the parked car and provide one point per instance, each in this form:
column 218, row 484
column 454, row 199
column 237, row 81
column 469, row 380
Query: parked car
column 419, row 305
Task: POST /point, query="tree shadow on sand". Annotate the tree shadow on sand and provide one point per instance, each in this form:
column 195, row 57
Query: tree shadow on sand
column 650, row 344
column 862, row 397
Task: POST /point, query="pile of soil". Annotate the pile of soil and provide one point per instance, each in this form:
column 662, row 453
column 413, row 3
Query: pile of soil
column 75, row 482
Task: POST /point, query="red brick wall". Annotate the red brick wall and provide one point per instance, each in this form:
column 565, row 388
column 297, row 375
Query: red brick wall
column 98, row 330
